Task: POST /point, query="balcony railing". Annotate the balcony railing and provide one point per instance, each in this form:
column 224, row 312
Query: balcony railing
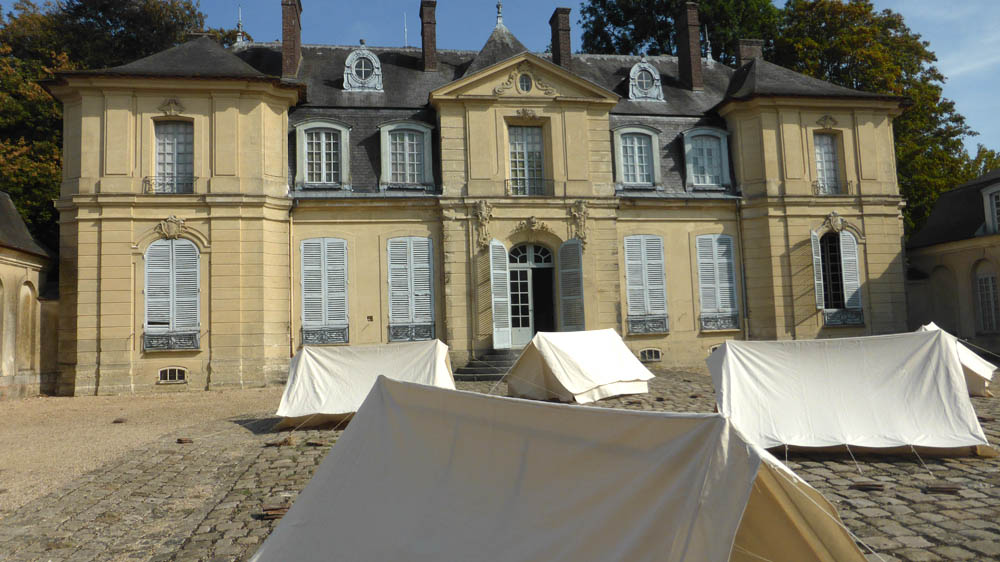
column 832, row 188
column 165, row 183
column 528, row 187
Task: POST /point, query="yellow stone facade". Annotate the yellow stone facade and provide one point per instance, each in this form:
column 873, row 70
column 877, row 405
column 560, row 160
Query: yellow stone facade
column 21, row 350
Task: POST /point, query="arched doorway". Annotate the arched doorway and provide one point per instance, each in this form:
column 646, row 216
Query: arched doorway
column 532, row 292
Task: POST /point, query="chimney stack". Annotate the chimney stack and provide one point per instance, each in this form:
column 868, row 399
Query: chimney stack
column 428, row 34
column 689, row 46
column 291, row 37
column 748, row 50
column 561, row 53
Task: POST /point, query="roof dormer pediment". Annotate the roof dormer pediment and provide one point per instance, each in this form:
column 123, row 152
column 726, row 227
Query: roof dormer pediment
column 524, row 76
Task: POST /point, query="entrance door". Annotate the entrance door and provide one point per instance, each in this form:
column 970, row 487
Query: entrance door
column 531, row 292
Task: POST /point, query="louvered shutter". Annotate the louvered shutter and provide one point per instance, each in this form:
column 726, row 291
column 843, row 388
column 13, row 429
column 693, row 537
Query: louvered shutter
column 707, row 274
column 335, row 281
column 500, row 295
column 817, row 270
column 312, row 283
column 186, row 285
column 421, row 265
column 656, row 283
column 571, row 285
column 400, row 311
column 849, row 270
column 157, row 293
column 635, row 286
column 726, row 277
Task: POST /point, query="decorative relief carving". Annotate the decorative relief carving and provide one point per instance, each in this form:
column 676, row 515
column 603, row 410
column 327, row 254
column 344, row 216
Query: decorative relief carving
column 837, row 223
column 171, row 228
column 171, row 106
column 579, row 213
column 524, row 68
column 484, row 214
column 525, row 113
column 827, row 122
column 531, row 225
column 506, row 84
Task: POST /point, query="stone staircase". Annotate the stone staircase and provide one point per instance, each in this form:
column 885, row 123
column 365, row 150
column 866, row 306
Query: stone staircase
column 490, row 366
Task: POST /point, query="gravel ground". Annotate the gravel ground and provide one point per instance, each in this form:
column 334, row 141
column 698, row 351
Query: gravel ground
column 46, row 442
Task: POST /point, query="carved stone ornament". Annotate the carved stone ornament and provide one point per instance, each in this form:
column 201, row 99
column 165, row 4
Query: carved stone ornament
column 171, row 228
column 837, row 223
column 525, row 113
column 579, row 213
column 484, row 214
column 523, row 68
column 171, row 107
column 827, row 122
column 532, row 225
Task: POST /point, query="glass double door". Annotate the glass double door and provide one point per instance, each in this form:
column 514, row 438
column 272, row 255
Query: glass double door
column 532, row 293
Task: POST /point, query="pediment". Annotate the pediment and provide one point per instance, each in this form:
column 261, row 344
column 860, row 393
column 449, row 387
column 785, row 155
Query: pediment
column 524, row 76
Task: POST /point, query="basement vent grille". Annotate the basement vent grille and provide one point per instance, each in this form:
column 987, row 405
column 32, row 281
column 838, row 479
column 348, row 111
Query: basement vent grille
column 649, row 355
column 171, row 375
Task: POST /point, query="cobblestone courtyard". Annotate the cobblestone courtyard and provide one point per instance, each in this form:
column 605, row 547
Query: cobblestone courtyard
column 203, row 500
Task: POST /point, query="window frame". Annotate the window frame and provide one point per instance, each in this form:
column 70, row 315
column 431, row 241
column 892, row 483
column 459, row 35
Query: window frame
column 838, row 164
column 723, row 138
column 301, row 154
column 411, row 328
column 985, row 270
column 531, row 188
column 156, row 177
column 354, row 83
column 991, row 206
column 325, row 331
column 172, row 336
column 635, row 92
column 852, row 314
column 718, row 318
column 655, row 149
column 651, row 321
column 385, row 145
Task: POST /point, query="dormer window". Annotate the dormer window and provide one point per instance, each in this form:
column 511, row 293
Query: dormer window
column 991, row 199
column 322, row 150
column 644, row 82
column 706, row 156
column 637, row 157
column 362, row 71
column 406, row 155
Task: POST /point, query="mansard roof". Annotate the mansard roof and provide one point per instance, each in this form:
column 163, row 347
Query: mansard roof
column 761, row 78
column 958, row 214
column 199, row 58
column 13, row 232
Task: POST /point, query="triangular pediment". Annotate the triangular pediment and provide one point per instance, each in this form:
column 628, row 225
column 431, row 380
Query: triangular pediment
column 523, row 76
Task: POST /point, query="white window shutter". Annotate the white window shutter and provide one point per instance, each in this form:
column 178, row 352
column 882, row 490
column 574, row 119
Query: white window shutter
column 500, row 295
column 157, row 290
column 186, row 285
column 571, row 285
column 422, row 279
column 335, row 281
column 656, row 283
column 707, row 273
column 817, row 269
column 312, row 283
column 400, row 310
column 850, row 271
column 635, row 288
column 726, row 277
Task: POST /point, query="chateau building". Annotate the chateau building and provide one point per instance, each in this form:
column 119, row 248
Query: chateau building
column 221, row 208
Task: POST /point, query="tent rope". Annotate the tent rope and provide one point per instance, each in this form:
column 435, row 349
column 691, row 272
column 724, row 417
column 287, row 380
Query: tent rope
column 858, row 466
column 983, row 349
column 748, row 553
column 912, row 448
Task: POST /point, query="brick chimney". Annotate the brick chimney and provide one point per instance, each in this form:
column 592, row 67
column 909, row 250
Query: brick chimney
column 749, row 49
column 428, row 34
column 561, row 53
column 291, row 37
column 689, row 46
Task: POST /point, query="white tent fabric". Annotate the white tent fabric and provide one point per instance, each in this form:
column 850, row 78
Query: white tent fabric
column 878, row 391
column 978, row 371
column 334, row 380
column 424, row 474
column 577, row 366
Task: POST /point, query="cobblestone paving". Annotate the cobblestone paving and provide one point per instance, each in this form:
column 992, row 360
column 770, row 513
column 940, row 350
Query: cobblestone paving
column 203, row 500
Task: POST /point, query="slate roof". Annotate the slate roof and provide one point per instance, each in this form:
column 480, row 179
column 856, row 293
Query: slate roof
column 13, row 232
column 500, row 46
column 761, row 78
column 957, row 215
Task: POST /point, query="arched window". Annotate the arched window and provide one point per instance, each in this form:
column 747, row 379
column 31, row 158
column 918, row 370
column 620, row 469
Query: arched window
column 26, row 339
column 637, row 157
column 322, row 155
column 174, row 157
column 362, row 71
column 172, row 295
column 987, row 297
column 837, row 278
column 406, row 151
column 644, row 82
column 707, row 158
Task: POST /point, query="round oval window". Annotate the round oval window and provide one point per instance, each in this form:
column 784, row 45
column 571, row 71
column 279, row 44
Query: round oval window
column 363, row 69
column 525, row 83
column 644, row 80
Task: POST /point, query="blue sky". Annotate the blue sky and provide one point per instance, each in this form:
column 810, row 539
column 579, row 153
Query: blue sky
column 965, row 35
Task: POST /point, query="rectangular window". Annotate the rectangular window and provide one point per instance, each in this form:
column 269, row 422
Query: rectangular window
column 324, row 291
column 989, row 303
column 526, row 156
column 322, row 156
column 174, row 157
column 407, row 156
column 172, row 295
column 706, row 160
column 646, row 286
column 827, row 167
column 411, row 289
column 637, row 158
column 717, row 282
column 995, row 201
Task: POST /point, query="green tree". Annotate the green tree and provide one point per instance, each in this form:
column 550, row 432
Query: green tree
column 647, row 26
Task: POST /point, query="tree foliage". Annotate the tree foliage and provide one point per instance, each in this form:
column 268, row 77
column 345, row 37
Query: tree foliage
column 847, row 43
column 37, row 40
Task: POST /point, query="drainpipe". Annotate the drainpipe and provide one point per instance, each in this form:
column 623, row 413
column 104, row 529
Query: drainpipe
column 743, row 267
column 291, row 288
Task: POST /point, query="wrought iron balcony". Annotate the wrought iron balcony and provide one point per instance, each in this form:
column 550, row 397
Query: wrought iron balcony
column 168, row 183
column 527, row 187
column 832, row 188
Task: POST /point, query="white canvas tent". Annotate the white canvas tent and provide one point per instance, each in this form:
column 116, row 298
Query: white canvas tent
column 577, row 366
column 325, row 383
column 901, row 390
column 978, row 371
column 424, row 474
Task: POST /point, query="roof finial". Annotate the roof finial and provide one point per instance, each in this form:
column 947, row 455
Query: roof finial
column 499, row 12
column 708, row 44
column 241, row 36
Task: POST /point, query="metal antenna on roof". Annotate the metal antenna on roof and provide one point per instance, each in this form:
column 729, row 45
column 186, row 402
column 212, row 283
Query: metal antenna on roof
column 499, row 12
column 406, row 42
